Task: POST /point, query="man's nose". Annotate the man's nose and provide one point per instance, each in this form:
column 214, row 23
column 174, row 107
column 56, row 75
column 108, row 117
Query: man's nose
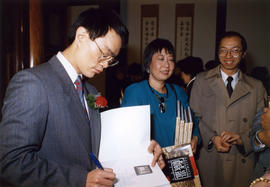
column 229, row 52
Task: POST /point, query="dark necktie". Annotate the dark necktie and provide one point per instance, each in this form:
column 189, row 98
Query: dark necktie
column 79, row 89
column 229, row 86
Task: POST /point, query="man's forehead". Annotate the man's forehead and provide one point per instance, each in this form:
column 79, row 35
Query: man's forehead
column 112, row 43
column 230, row 38
column 233, row 40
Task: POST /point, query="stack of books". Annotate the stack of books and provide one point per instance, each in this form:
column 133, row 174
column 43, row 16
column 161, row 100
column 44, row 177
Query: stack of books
column 181, row 168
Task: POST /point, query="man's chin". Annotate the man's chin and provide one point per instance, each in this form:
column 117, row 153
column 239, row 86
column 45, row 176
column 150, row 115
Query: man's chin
column 89, row 75
column 230, row 67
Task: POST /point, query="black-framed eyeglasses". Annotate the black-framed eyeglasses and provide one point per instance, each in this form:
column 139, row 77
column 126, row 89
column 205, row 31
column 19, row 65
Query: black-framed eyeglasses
column 162, row 105
column 107, row 59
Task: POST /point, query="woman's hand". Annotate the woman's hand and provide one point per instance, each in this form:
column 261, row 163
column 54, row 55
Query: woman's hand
column 155, row 148
column 194, row 143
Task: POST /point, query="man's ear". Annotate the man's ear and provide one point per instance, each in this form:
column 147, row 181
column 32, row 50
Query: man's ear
column 81, row 34
column 244, row 54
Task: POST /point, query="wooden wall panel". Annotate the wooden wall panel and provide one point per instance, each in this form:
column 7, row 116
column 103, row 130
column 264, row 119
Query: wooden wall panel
column 36, row 32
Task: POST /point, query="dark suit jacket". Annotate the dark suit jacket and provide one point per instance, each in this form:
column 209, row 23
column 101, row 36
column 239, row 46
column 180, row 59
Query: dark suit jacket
column 45, row 135
column 263, row 162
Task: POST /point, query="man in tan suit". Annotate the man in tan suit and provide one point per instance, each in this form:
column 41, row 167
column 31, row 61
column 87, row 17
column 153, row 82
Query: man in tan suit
column 226, row 100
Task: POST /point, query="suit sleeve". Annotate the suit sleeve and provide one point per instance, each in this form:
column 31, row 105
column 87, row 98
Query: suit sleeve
column 195, row 102
column 260, row 97
column 256, row 127
column 22, row 129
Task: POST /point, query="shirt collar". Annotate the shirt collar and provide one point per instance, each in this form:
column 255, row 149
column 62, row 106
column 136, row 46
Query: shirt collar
column 234, row 76
column 225, row 76
column 68, row 67
column 191, row 81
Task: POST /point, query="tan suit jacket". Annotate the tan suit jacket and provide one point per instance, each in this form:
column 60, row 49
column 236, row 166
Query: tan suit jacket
column 218, row 112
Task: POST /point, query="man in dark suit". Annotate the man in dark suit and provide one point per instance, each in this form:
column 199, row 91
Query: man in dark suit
column 47, row 130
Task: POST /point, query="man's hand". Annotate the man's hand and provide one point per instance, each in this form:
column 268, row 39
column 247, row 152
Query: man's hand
column 265, row 119
column 264, row 135
column 231, row 138
column 220, row 145
column 193, row 143
column 102, row 178
column 155, row 148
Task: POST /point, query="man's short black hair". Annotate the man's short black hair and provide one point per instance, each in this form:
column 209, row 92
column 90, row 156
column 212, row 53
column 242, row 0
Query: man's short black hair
column 153, row 47
column 211, row 64
column 229, row 34
column 98, row 21
column 191, row 65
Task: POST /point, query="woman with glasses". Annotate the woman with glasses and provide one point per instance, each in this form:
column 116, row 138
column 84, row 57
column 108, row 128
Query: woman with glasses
column 158, row 65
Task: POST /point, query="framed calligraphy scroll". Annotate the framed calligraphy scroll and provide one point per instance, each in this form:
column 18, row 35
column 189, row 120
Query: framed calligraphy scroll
column 184, row 16
column 149, row 24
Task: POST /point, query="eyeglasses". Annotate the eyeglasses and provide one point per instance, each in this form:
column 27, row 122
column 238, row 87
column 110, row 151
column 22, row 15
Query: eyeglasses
column 235, row 52
column 162, row 105
column 107, row 59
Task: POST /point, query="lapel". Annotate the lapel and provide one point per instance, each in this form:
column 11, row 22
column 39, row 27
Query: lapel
column 241, row 89
column 217, row 86
column 77, row 114
column 95, row 122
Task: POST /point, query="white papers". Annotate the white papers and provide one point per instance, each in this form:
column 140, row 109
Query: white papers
column 125, row 137
column 125, row 132
column 127, row 177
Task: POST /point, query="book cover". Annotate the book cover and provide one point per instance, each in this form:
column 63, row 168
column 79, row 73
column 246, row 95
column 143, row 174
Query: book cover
column 181, row 169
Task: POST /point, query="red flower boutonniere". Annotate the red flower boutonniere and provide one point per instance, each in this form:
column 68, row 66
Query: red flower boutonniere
column 96, row 101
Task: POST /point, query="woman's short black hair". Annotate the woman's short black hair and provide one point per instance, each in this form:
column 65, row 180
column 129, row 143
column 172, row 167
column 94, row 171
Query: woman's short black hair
column 153, row 47
column 98, row 21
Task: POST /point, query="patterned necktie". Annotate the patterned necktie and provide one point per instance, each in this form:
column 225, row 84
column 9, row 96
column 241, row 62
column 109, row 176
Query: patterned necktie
column 229, row 86
column 79, row 89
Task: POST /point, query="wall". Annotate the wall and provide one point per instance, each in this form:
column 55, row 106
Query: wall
column 251, row 18
column 1, row 61
column 204, row 26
